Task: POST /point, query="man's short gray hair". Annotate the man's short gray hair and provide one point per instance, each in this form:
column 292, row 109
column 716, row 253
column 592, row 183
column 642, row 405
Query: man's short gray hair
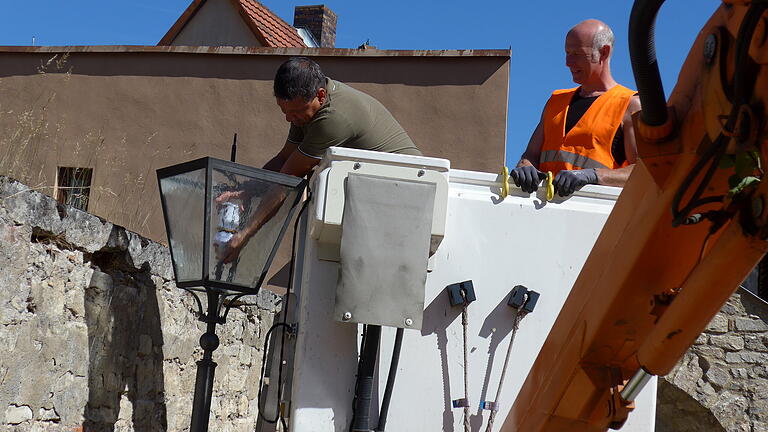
column 602, row 37
column 298, row 77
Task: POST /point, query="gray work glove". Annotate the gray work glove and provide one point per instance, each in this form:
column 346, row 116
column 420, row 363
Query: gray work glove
column 569, row 181
column 527, row 178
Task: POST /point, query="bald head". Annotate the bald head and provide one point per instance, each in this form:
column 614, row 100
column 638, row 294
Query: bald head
column 588, row 49
column 594, row 33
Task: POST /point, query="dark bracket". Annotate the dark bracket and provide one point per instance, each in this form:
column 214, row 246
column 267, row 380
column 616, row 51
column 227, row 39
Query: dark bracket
column 461, row 292
column 517, row 298
column 488, row 405
column 524, row 298
column 530, row 304
column 460, row 403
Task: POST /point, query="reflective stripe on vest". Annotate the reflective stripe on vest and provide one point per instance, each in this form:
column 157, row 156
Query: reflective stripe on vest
column 574, row 159
column 588, row 143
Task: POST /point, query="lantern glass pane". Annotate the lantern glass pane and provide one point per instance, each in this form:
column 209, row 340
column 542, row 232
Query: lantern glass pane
column 184, row 196
column 249, row 212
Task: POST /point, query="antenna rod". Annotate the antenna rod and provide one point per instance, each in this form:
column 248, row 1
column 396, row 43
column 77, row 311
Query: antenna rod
column 234, row 148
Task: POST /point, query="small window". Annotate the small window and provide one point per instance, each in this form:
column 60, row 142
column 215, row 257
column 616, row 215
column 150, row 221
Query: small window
column 757, row 281
column 762, row 279
column 74, row 186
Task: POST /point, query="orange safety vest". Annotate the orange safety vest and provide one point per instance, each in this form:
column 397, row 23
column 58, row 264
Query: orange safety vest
column 588, row 143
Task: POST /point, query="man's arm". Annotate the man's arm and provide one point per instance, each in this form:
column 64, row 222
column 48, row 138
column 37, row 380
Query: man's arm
column 293, row 159
column 276, row 163
column 289, row 161
column 531, row 155
column 526, row 175
column 298, row 164
column 618, row 177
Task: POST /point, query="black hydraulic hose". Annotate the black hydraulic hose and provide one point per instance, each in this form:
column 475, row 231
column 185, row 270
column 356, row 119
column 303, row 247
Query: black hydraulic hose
column 746, row 71
column 357, row 381
column 711, row 157
column 361, row 421
column 744, row 83
column 642, row 52
column 390, row 381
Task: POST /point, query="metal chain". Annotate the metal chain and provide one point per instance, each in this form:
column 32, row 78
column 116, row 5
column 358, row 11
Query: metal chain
column 492, row 417
column 465, row 325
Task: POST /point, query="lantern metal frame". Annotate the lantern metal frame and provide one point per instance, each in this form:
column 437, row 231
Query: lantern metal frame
column 217, row 291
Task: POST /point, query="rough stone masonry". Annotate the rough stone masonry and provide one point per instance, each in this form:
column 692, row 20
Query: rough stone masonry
column 721, row 384
column 95, row 336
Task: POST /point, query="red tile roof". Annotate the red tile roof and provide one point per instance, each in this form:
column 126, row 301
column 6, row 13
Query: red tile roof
column 268, row 28
column 275, row 31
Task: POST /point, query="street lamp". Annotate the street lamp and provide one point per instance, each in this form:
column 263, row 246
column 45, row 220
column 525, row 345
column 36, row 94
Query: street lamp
column 224, row 223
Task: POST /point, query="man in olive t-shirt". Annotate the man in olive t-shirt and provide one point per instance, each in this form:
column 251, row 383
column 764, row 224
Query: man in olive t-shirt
column 325, row 113
column 350, row 118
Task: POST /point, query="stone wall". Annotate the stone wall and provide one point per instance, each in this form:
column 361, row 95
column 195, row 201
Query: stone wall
column 95, row 336
column 721, row 384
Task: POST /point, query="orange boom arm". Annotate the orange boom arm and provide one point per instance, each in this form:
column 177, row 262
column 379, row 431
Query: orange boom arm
column 689, row 226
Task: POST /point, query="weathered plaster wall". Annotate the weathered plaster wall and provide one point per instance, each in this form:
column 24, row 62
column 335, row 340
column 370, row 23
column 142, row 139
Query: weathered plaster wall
column 721, row 384
column 95, row 336
column 125, row 112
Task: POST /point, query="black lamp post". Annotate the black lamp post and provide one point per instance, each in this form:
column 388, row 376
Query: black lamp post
column 208, row 204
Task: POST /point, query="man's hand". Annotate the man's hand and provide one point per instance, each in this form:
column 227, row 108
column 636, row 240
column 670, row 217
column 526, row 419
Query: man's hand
column 231, row 195
column 527, row 177
column 266, row 210
column 568, row 181
column 232, row 248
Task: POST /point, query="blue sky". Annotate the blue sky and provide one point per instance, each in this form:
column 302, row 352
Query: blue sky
column 534, row 30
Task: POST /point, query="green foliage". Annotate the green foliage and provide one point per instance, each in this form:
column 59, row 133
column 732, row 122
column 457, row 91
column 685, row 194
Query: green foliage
column 745, row 164
column 738, row 184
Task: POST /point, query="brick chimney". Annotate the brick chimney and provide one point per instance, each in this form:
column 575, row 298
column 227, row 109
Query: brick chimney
column 320, row 21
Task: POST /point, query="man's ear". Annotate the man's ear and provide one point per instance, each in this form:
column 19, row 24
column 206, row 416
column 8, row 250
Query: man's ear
column 321, row 95
column 605, row 52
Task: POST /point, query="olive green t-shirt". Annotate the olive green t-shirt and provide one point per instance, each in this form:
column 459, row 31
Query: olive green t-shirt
column 353, row 119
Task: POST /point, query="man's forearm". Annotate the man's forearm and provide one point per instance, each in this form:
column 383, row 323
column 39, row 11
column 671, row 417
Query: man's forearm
column 268, row 206
column 275, row 164
column 614, row 177
column 524, row 161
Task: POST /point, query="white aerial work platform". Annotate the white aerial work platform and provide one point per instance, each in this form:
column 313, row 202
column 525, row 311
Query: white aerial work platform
column 474, row 235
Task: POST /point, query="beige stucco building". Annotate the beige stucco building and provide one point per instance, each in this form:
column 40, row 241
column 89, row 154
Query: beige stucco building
column 90, row 125
column 124, row 112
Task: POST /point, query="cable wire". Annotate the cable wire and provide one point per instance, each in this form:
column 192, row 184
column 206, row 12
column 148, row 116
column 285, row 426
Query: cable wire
column 284, row 324
column 518, row 316
column 465, row 325
column 390, row 381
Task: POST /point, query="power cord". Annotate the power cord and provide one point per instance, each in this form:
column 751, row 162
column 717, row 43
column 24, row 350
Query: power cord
column 286, row 328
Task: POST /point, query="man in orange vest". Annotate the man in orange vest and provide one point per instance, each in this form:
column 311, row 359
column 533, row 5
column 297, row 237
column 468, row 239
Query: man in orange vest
column 585, row 135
